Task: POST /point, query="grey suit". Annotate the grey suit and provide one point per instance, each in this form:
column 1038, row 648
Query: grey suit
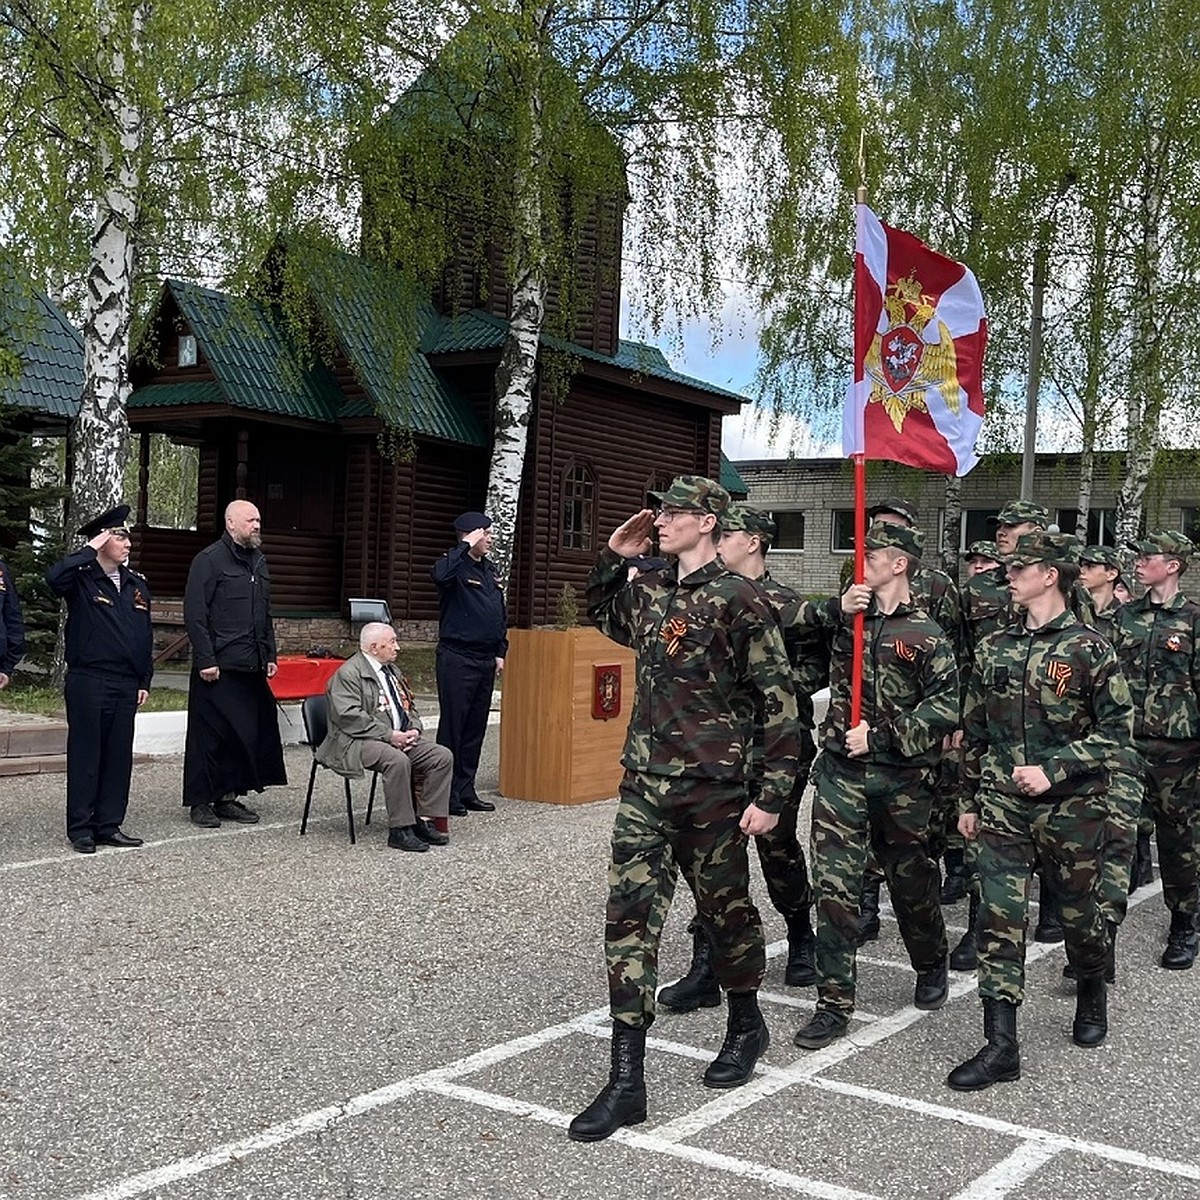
column 360, row 739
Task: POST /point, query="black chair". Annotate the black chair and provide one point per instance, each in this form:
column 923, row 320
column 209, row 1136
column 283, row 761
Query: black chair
column 315, row 713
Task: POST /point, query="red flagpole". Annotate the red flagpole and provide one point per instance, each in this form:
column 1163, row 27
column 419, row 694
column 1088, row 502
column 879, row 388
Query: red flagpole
column 860, row 507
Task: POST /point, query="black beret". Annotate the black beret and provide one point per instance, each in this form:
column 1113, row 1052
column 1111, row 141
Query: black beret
column 472, row 520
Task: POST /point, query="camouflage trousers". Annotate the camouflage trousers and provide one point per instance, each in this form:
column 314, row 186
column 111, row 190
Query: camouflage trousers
column 1117, row 850
column 1174, row 801
column 663, row 826
column 782, row 858
column 1064, row 835
column 859, row 808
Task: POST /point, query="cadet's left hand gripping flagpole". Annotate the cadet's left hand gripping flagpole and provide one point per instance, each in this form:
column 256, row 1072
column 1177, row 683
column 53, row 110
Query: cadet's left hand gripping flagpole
column 860, row 492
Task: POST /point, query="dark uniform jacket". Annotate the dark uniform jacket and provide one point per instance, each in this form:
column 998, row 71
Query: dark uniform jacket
column 108, row 629
column 227, row 608
column 473, row 619
column 711, row 667
column 1052, row 697
column 12, row 626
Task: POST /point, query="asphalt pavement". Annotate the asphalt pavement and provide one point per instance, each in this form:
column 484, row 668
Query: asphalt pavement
column 246, row 1013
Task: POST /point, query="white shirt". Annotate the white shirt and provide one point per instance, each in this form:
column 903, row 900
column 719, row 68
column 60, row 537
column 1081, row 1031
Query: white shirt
column 385, row 692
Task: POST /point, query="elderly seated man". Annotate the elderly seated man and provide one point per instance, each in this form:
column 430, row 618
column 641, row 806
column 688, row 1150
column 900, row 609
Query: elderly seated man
column 373, row 725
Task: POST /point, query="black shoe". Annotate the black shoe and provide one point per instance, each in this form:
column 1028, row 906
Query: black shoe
column 203, row 815
column 1049, row 926
column 826, row 1026
column 622, row 1101
column 954, row 885
column 404, row 837
column 1181, row 943
column 458, row 809
column 933, row 988
column 1091, row 1012
column 699, row 987
column 746, row 1041
column 1000, row 1060
column 426, row 831
column 801, row 970
column 234, row 810
column 1143, row 865
column 84, row 845
column 474, row 804
column 117, row 839
column 965, row 956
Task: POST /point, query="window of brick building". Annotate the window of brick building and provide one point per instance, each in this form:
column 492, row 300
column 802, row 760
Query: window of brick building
column 790, row 530
column 842, row 531
column 578, row 528
column 1101, row 526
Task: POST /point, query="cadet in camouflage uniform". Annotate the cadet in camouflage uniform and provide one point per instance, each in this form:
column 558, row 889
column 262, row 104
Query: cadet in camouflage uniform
column 746, row 537
column 1158, row 641
column 981, row 556
column 875, row 780
column 711, row 664
column 1047, row 710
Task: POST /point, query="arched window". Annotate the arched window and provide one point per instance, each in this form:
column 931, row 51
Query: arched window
column 578, row 509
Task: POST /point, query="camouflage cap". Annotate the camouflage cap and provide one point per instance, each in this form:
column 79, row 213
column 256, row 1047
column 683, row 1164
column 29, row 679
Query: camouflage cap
column 741, row 518
column 982, row 550
column 1167, row 541
column 1053, row 549
column 694, row 491
column 1101, row 556
column 893, row 504
column 897, row 537
column 1017, row 512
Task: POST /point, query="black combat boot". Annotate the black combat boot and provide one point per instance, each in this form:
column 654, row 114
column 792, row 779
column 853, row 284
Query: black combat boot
column 1181, row 942
column 932, row 989
column 1000, row 1060
column 623, row 1099
column 1110, row 958
column 746, row 1039
column 699, row 987
column 965, row 956
column 868, row 909
column 954, row 885
column 1049, row 926
column 802, row 946
column 1142, row 872
column 1091, row 1012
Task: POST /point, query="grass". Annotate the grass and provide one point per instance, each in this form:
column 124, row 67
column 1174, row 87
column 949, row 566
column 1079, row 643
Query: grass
column 26, row 697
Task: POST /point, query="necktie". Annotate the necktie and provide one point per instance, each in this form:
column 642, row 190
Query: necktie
column 389, row 677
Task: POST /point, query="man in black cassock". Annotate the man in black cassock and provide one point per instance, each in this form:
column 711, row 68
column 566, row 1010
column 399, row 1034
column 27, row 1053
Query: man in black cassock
column 233, row 744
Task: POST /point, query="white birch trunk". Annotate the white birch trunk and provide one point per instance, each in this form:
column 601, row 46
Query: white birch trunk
column 951, row 524
column 1145, row 400
column 1094, row 350
column 100, row 435
column 516, row 373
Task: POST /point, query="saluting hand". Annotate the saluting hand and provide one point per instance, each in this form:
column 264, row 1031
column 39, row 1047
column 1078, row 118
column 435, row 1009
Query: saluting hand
column 633, row 538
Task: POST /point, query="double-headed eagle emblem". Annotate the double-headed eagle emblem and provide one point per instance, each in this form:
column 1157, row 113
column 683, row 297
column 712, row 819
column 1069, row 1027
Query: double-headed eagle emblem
column 901, row 364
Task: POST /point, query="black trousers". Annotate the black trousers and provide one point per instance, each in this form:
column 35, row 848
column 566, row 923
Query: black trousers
column 100, row 712
column 464, row 685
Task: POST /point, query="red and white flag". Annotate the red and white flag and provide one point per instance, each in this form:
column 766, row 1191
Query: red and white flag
column 919, row 337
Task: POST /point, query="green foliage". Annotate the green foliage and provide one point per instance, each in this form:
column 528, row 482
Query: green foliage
column 566, row 608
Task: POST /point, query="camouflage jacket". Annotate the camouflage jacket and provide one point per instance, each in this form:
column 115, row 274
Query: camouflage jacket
column 711, row 665
column 1159, row 649
column 935, row 592
column 910, row 683
column 1053, row 698
column 987, row 607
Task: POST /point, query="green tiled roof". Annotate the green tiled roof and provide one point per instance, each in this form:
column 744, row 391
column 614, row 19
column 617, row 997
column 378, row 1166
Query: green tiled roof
column 252, row 358
column 477, row 330
column 168, row 395
column 378, row 324
column 49, row 347
column 730, row 480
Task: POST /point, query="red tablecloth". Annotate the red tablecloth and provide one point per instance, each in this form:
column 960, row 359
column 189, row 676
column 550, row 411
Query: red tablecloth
column 299, row 677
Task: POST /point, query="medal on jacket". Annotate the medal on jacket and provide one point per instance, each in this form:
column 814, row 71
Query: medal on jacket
column 672, row 633
column 1059, row 673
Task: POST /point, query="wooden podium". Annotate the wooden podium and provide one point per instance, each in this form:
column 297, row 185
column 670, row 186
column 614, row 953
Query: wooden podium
column 552, row 747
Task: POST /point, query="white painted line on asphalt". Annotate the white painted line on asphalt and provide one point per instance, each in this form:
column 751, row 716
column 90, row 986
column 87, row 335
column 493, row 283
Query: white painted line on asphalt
column 1009, row 1173
column 103, row 852
column 1027, row 1133
column 809, row 1003
column 652, row 1141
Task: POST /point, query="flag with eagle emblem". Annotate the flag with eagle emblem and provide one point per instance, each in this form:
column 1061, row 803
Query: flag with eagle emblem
column 919, row 338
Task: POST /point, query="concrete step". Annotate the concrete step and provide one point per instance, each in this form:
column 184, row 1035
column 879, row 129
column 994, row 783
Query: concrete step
column 34, row 764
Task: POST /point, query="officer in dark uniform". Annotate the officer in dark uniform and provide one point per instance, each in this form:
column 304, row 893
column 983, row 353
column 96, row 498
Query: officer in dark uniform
column 109, row 664
column 12, row 627
column 472, row 643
